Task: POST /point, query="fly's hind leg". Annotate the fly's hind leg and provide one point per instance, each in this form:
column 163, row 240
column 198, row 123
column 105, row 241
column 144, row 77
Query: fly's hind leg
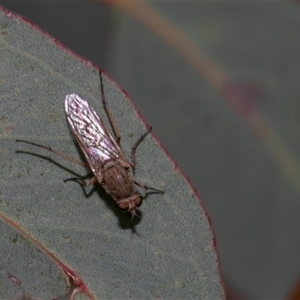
column 133, row 149
column 80, row 180
column 145, row 187
column 108, row 112
column 62, row 155
column 114, row 125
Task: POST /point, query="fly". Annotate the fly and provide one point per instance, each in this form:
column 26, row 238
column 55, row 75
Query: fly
column 102, row 152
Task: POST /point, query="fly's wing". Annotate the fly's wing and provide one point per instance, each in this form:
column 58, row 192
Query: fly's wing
column 94, row 139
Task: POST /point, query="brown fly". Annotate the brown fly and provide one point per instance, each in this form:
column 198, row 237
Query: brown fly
column 102, row 152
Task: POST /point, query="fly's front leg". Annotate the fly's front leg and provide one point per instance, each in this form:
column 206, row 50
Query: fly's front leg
column 145, row 187
column 133, row 149
column 108, row 112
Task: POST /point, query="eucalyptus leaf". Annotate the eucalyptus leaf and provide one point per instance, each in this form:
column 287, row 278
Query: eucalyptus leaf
column 50, row 229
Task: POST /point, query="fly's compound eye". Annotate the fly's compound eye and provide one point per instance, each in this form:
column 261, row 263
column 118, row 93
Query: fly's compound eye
column 131, row 203
column 123, row 205
column 138, row 201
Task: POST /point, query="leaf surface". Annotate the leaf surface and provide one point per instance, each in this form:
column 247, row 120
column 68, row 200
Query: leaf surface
column 48, row 226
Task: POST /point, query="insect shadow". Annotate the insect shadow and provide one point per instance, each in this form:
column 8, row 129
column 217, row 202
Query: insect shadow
column 103, row 154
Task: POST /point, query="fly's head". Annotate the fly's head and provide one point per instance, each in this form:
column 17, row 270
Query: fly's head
column 131, row 203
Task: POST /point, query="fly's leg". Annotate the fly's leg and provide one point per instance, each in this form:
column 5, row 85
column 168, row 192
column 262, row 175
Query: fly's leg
column 133, row 149
column 83, row 183
column 118, row 137
column 81, row 180
column 64, row 156
column 145, row 187
column 108, row 112
column 114, row 125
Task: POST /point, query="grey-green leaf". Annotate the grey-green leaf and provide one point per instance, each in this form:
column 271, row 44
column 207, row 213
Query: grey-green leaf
column 49, row 226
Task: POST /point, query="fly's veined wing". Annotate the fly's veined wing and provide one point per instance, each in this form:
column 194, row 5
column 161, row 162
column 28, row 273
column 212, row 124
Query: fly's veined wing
column 94, row 139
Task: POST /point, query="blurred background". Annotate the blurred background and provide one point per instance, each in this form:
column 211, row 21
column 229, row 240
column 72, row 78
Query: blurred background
column 219, row 83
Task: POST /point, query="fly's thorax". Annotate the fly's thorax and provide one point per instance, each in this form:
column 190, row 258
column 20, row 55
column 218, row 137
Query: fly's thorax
column 118, row 180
